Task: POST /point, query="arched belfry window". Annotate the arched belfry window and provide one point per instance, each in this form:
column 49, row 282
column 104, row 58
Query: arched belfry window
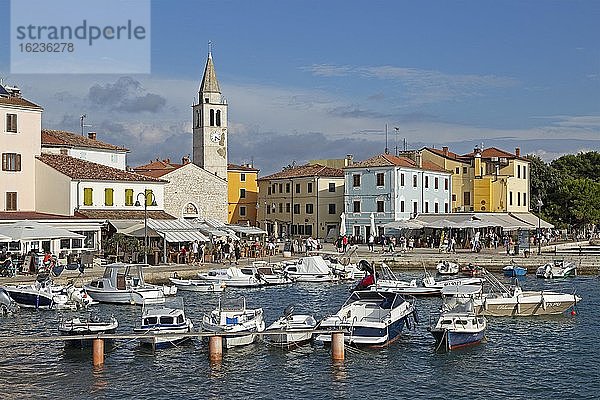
column 218, row 117
column 212, row 117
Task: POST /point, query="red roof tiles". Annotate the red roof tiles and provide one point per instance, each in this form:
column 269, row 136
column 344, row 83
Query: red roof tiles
column 388, row 160
column 18, row 101
column 157, row 168
column 52, row 137
column 305, row 171
column 80, row 169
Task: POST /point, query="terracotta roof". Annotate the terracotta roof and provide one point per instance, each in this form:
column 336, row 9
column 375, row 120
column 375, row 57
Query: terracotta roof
column 124, row 214
column 306, row 170
column 52, row 137
column 496, row 152
column 76, row 168
column 23, row 215
column 450, row 155
column 388, row 160
column 235, row 167
column 18, row 101
column 157, row 168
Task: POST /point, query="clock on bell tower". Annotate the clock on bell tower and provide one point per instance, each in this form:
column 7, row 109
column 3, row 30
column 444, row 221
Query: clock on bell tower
column 210, row 124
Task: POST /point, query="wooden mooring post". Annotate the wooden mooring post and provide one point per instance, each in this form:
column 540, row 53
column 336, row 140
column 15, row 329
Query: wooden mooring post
column 337, row 346
column 98, row 352
column 215, row 348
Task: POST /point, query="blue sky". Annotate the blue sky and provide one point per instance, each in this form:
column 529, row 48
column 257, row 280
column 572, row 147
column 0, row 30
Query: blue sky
column 317, row 79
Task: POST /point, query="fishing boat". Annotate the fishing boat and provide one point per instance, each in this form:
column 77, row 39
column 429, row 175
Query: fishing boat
column 456, row 330
column 447, row 268
column 502, row 300
column 164, row 325
column 124, row 284
column 77, row 327
column 311, row 269
column 235, row 318
column 458, row 325
column 557, row 269
column 296, row 330
column 370, row 318
column 197, row 285
column 513, row 270
column 233, row 277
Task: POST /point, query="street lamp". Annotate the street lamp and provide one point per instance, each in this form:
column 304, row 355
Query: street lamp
column 137, row 204
column 539, row 206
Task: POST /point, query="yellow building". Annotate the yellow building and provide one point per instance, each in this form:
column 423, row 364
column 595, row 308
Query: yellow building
column 485, row 180
column 306, row 200
column 242, row 194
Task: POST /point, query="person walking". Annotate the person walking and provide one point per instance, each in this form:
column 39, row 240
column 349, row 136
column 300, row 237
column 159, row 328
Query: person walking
column 371, row 243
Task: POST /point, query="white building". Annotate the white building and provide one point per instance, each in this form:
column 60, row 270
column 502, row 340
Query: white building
column 84, row 147
column 392, row 188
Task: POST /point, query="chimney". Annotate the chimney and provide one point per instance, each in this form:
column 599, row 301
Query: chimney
column 349, row 160
column 445, row 150
column 185, row 160
column 517, row 152
column 419, row 159
column 92, row 135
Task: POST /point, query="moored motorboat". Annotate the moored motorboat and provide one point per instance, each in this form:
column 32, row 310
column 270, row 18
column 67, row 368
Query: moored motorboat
column 454, row 330
column 270, row 275
column 164, row 325
column 370, row 318
column 447, row 268
column 236, row 319
column 311, row 269
column 7, row 305
column 557, row 269
column 501, row 300
column 294, row 330
column 124, row 284
column 234, row 277
column 197, row 285
column 43, row 294
column 430, row 282
column 514, row 270
column 77, row 327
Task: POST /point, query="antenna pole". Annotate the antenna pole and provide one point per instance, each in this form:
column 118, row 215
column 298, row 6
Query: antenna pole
column 386, row 141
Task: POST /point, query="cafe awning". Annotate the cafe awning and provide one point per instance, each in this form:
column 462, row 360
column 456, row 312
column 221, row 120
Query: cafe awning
column 532, row 220
column 32, row 230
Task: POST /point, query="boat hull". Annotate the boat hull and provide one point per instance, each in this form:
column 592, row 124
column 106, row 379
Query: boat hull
column 450, row 340
column 128, row 296
column 30, row 298
column 535, row 305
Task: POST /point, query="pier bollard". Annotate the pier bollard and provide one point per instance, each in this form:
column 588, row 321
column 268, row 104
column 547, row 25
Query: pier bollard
column 215, row 348
column 98, row 352
column 337, row 346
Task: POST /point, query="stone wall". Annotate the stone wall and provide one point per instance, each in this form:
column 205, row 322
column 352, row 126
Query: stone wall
column 192, row 184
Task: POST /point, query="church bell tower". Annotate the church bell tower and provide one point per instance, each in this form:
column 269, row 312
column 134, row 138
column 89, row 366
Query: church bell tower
column 210, row 124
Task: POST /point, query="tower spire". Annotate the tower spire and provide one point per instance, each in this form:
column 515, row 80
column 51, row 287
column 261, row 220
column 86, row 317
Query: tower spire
column 209, row 84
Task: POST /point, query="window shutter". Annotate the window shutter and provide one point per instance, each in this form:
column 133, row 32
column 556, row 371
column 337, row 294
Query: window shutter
column 18, row 162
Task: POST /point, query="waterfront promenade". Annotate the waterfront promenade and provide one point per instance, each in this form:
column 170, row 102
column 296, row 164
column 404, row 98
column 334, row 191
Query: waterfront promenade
column 417, row 259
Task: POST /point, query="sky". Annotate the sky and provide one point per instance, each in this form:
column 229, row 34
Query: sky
column 321, row 79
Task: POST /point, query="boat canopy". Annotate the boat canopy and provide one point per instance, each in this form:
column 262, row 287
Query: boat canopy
column 312, row 265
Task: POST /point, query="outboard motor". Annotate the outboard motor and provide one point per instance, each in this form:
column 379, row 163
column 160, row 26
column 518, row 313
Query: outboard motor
column 7, row 304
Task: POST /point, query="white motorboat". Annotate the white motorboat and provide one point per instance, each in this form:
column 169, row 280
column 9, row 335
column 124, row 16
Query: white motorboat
column 237, row 319
column 163, row 325
column 271, row 275
column 124, row 284
column 557, row 269
column 76, row 327
column 311, row 269
column 389, row 282
column 234, row 277
column 370, row 318
column 447, row 268
column 501, row 300
column 295, row 330
column 430, row 282
column 197, row 285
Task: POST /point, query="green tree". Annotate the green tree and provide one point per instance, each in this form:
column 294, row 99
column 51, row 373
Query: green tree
column 543, row 178
column 581, row 165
